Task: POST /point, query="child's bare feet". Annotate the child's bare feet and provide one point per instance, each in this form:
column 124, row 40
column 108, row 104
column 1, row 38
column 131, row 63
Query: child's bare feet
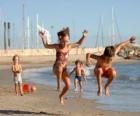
column 61, row 100
column 107, row 93
column 75, row 90
column 99, row 92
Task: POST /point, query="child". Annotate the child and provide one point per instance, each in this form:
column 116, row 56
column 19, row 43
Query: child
column 83, row 72
column 17, row 70
column 104, row 67
column 62, row 50
column 79, row 74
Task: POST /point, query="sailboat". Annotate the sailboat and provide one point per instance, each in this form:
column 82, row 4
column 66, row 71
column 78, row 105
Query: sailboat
column 100, row 46
column 114, row 30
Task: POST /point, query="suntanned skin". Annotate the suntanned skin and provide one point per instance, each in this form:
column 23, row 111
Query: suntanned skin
column 62, row 46
column 83, row 72
column 79, row 71
column 17, row 69
column 105, row 64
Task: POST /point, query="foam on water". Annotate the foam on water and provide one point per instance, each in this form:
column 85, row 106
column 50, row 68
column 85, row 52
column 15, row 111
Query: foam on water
column 125, row 90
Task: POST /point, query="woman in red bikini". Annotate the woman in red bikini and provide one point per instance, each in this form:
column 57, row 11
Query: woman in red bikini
column 103, row 67
column 62, row 50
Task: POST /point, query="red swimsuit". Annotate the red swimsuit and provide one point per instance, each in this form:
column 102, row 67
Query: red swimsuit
column 61, row 56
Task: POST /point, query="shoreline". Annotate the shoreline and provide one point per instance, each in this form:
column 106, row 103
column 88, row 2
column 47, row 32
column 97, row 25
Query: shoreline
column 45, row 100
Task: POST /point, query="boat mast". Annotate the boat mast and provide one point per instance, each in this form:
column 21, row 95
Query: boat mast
column 115, row 33
column 37, row 40
column 100, row 30
column 113, row 28
column 23, row 25
column 28, row 32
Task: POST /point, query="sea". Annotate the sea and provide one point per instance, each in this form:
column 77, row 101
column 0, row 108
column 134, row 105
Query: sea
column 125, row 89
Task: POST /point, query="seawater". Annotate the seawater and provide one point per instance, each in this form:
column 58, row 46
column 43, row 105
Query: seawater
column 125, row 89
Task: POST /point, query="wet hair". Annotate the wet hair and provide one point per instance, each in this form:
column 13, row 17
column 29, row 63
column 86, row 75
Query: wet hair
column 77, row 61
column 64, row 32
column 14, row 57
column 109, row 51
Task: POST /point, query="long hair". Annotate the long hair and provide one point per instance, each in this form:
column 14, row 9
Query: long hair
column 109, row 51
column 64, row 32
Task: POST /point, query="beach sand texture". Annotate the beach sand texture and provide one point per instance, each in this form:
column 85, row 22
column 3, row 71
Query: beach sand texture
column 45, row 100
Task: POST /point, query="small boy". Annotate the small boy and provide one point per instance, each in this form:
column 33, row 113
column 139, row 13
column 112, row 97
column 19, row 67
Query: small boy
column 17, row 70
column 83, row 72
column 103, row 67
column 79, row 74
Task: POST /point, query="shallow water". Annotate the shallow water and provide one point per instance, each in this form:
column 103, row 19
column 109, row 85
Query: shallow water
column 125, row 90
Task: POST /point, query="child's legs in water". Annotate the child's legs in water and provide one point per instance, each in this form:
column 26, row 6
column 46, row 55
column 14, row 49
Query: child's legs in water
column 98, row 73
column 66, row 81
column 58, row 69
column 81, row 85
column 110, row 74
column 75, row 84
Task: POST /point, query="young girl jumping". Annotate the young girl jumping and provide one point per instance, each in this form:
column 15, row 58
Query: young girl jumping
column 103, row 67
column 62, row 50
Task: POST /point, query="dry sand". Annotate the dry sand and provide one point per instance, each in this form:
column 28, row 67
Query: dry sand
column 45, row 100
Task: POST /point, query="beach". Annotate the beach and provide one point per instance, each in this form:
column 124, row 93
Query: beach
column 45, row 100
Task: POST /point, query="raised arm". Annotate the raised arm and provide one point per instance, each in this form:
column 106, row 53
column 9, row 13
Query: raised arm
column 80, row 41
column 89, row 56
column 45, row 42
column 122, row 44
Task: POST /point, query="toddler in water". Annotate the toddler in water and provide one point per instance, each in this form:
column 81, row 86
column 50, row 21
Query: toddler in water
column 103, row 67
column 79, row 75
column 17, row 70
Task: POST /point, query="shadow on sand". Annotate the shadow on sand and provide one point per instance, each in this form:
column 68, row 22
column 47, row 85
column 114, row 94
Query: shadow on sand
column 12, row 112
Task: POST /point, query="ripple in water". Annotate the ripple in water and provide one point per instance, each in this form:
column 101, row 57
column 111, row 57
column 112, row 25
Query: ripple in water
column 125, row 90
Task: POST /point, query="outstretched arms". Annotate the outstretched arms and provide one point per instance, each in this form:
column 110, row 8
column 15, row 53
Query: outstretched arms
column 89, row 56
column 122, row 44
column 80, row 41
column 45, row 42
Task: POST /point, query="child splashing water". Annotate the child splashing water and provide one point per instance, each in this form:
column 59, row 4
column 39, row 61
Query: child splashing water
column 103, row 67
column 17, row 70
column 62, row 50
column 79, row 75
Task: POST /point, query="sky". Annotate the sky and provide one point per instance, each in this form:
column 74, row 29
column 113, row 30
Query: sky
column 76, row 14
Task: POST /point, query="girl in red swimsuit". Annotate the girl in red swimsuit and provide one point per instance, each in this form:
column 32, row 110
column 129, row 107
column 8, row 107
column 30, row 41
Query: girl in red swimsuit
column 62, row 50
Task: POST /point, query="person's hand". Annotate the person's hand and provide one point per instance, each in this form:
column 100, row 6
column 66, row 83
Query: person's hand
column 41, row 34
column 132, row 39
column 85, row 33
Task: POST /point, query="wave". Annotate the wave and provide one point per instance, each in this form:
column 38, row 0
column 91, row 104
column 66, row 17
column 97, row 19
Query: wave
column 128, row 78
